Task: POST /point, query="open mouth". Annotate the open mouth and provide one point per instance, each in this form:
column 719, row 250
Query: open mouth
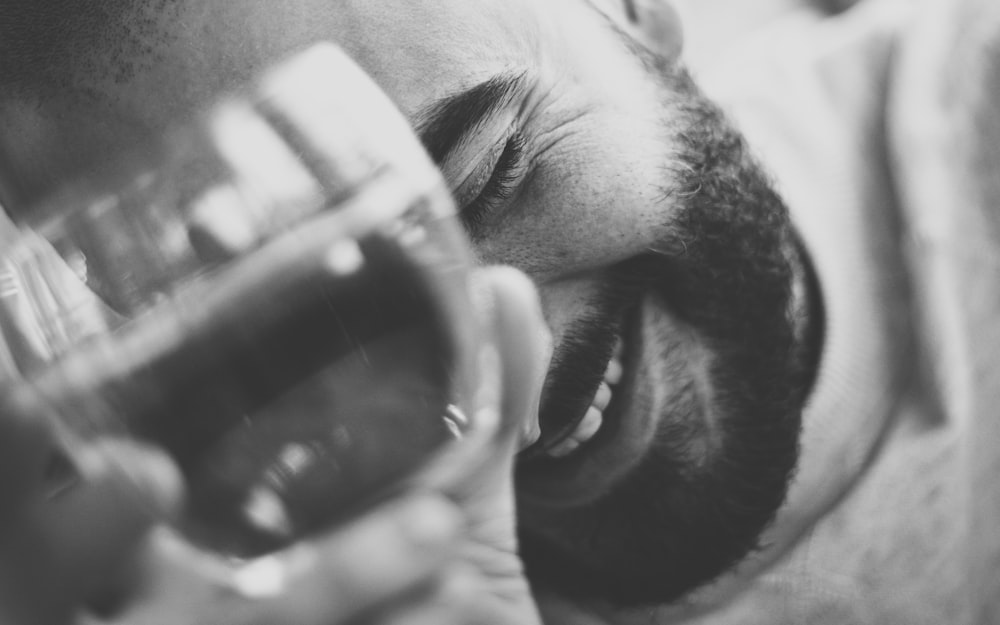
column 562, row 442
column 603, row 400
column 565, row 440
column 588, row 425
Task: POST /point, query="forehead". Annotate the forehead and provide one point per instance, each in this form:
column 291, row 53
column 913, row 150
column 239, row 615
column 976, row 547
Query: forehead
column 158, row 56
column 121, row 50
column 422, row 51
column 110, row 72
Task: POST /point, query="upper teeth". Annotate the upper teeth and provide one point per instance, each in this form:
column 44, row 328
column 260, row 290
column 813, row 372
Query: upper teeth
column 594, row 418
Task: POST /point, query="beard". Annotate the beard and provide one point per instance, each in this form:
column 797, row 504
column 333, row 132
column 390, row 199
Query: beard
column 697, row 503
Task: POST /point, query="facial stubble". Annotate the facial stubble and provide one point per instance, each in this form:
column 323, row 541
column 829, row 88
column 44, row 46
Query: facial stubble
column 725, row 271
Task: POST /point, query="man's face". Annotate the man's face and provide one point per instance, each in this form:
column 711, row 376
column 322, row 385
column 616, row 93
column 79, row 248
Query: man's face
column 670, row 417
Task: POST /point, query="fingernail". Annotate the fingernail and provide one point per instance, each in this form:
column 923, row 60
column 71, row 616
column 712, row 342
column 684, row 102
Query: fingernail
column 429, row 521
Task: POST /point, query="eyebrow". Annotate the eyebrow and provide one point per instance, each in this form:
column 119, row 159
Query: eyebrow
column 446, row 123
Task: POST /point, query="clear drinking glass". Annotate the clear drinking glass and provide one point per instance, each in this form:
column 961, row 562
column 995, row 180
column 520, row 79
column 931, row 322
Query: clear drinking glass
column 278, row 294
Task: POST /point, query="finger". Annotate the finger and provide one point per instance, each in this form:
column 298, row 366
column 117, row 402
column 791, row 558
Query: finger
column 524, row 342
column 450, row 602
column 91, row 528
column 67, row 545
column 375, row 560
column 25, row 448
column 462, row 597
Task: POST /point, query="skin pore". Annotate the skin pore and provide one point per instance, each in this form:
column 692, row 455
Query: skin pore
column 655, row 241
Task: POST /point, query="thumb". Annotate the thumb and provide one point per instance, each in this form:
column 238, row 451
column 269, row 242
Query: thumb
column 70, row 544
column 88, row 534
column 524, row 346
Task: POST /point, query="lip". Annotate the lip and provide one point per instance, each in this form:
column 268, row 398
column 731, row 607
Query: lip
column 589, row 471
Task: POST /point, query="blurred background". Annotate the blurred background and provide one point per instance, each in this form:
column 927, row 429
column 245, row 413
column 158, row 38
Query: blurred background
column 714, row 26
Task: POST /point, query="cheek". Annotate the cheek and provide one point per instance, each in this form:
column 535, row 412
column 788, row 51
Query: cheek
column 565, row 301
column 576, row 217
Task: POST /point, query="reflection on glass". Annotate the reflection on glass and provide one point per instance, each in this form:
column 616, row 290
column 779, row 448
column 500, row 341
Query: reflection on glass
column 298, row 335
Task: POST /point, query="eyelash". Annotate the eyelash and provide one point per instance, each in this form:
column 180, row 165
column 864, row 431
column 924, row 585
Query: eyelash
column 499, row 188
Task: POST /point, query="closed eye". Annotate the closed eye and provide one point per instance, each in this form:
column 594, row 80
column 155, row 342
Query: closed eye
column 500, row 187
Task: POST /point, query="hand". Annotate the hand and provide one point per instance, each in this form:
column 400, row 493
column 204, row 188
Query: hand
column 68, row 527
column 66, row 536
column 84, row 552
column 424, row 559
column 488, row 501
column 392, row 556
column 73, row 542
